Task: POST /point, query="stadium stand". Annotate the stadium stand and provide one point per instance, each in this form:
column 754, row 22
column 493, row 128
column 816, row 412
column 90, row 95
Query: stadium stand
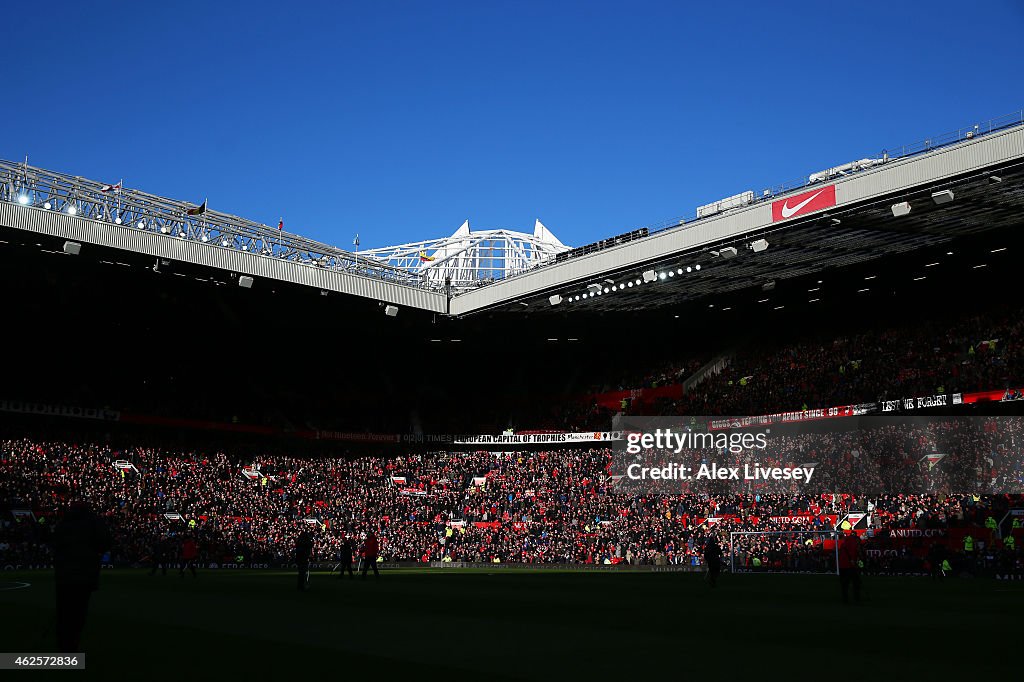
column 557, row 505
column 533, row 507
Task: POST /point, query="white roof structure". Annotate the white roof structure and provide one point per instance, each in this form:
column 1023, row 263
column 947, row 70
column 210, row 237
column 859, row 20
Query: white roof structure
column 471, row 259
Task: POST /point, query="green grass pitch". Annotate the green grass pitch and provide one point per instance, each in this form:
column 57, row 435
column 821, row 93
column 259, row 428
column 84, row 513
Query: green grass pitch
column 518, row 624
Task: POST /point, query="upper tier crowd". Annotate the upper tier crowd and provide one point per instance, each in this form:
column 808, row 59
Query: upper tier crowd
column 972, row 353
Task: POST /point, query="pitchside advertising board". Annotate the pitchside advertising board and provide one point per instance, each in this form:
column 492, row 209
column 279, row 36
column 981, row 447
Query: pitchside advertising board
column 802, row 204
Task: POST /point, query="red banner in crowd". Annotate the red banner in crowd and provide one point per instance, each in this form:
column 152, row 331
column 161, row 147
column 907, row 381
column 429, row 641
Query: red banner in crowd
column 828, row 520
column 612, row 400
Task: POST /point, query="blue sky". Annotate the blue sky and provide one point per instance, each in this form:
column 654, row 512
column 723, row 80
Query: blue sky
column 398, row 120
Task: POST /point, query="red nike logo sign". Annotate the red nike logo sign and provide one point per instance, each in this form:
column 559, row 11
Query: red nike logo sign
column 788, row 212
column 801, row 204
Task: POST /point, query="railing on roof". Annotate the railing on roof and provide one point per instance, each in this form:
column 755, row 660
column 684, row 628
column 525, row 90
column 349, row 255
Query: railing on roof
column 137, row 210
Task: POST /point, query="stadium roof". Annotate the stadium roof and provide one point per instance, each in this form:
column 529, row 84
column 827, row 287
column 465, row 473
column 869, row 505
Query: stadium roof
column 921, row 196
column 897, row 206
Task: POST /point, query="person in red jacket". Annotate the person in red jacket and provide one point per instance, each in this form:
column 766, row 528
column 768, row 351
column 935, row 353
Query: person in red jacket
column 369, row 552
column 189, row 554
column 849, row 566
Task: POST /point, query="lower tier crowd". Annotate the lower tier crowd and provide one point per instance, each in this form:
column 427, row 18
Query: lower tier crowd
column 535, row 507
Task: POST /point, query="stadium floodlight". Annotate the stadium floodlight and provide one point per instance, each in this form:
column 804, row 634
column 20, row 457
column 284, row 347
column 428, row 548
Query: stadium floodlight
column 689, row 269
column 638, row 282
column 662, row 276
column 245, row 281
column 758, row 245
column 606, row 290
column 72, row 210
column 72, row 248
column 649, row 276
column 728, row 252
column 900, row 209
column 615, row 287
column 163, row 229
column 630, row 285
column 555, row 300
column 679, row 271
column 23, row 199
column 391, row 310
column 223, row 242
column 47, row 205
column 697, row 267
column 943, row 197
column 141, row 225
column 671, row 273
column 117, row 220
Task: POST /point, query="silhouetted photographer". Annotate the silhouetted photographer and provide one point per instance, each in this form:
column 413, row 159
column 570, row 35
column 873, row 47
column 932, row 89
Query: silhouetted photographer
column 345, row 559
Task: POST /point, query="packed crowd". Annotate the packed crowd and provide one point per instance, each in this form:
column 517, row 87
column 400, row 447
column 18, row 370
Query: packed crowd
column 552, row 507
column 980, row 352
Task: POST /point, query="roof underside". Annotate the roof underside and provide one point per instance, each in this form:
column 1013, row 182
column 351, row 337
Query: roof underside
column 863, row 233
